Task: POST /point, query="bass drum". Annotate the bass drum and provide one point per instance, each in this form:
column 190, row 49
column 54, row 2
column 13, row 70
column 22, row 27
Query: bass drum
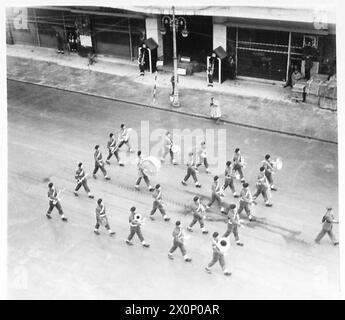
column 151, row 165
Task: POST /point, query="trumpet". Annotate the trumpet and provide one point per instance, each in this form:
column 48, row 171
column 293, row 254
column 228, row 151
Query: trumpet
column 223, row 244
column 139, row 219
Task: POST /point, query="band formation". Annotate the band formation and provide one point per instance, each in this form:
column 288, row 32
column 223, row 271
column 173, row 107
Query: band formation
column 148, row 166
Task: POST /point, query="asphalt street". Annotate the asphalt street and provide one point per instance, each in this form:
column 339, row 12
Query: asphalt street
column 50, row 131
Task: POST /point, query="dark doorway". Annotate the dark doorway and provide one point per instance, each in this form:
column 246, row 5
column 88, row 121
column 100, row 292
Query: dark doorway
column 197, row 45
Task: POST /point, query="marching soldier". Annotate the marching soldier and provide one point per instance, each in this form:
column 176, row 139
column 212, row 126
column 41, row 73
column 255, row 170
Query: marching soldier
column 217, row 193
column 218, row 255
column 124, row 138
column 135, row 228
column 198, row 215
column 113, row 150
column 168, row 143
column 262, row 187
column 178, row 242
column 238, row 163
column 158, row 203
column 246, row 200
column 101, row 218
column 269, row 168
column 229, row 178
column 234, row 223
column 99, row 164
column 191, row 171
column 80, row 176
column 327, row 221
column 142, row 174
column 203, row 157
column 54, row 201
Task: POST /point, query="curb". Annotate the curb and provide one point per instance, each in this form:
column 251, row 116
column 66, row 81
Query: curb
column 194, row 115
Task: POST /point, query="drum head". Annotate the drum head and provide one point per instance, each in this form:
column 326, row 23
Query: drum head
column 175, row 149
column 151, row 165
column 279, row 164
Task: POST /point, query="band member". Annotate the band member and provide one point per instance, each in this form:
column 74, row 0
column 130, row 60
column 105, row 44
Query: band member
column 54, row 201
column 203, row 157
column 113, row 150
column 238, row 163
column 217, row 193
column 158, row 203
column 327, row 226
column 178, row 242
column 262, row 187
column 99, row 164
column 142, row 174
column 101, row 218
column 229, row 178
column 245, row 200
column 269, row 168
column 124, row 138
column 191, row 171
column 233, row 224
column 168, row 143
column 198, row 215
column 135, row 228
column 80, row 176
column 218, row 255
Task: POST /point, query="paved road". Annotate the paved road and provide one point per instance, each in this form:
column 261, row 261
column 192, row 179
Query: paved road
column 50, row 131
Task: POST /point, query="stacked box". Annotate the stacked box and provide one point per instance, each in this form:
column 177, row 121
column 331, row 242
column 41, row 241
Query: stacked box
column 326, row 103
column 298, row 92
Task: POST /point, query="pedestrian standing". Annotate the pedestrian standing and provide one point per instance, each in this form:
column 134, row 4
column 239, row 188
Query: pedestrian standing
column 218, row 255
column 59, row 43
column 327, row 226
column 99, row 164
column 80, row 176
column 215, row 111
column 178, row 242
column 191, row 171
column 101, row 218
column 54, row 202
column 135, row 223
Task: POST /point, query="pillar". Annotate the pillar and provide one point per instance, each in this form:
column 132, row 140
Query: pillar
column 219, row 36
column 152, row 31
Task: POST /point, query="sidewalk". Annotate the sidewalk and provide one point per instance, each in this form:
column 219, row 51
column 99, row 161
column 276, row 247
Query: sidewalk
column 246, row 103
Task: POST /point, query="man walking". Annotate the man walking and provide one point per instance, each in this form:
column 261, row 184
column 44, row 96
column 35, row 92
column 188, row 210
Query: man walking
column 101, row 218
column 218, row 255
column 158, row 203
column 262, row 187
column 80, row 176
column 142, row 174
column 233, row 224
column 203, row 157
column 198, row 215
column 245, row 200
column 178, row 242
column 238, row 163
column 135, row 228
column 191, row 171
column 113, row 150
column 327, row 226
column 99, row 164
column 229, row 178
column 168, row 144
column 269, row 168
column 217, row 193
column 124, row 137
column 54, row 201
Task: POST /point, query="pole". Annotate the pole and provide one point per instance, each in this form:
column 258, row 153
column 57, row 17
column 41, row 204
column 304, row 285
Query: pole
column 36, row 27
column 289, row 58
column 130, row 39
column 175, row 102
column 236, row 53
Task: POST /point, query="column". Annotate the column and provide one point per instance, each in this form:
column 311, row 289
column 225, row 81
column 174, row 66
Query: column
column 152, row 31
column 219, row 36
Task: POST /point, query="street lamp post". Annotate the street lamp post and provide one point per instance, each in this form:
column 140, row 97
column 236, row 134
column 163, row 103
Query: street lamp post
column 174, row 24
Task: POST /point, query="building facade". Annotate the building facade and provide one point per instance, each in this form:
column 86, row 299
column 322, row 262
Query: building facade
column 264, row 42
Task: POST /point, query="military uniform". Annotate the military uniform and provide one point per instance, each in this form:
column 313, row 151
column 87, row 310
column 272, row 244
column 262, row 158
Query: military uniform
column 268, row 165
column 102, row 220
column 245, row 201
column 198, row 216
column 233, row 224
column 203, row 158
column 54, row 202
column 124, row 139
column 217, row 256
column 262, row 187
column 216, row 189
column 191, row 171
column 99, row 164
column 113, row 150
column 158, row 204
column 327, row 226
column 229, row 179
column 178, row 242
column 237, row 165
column 168, row 143
column 142, row 175
column 81, row 181
column 135, row 228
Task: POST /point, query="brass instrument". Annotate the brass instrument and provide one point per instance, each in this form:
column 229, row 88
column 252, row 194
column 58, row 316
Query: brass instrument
column 223, row 244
